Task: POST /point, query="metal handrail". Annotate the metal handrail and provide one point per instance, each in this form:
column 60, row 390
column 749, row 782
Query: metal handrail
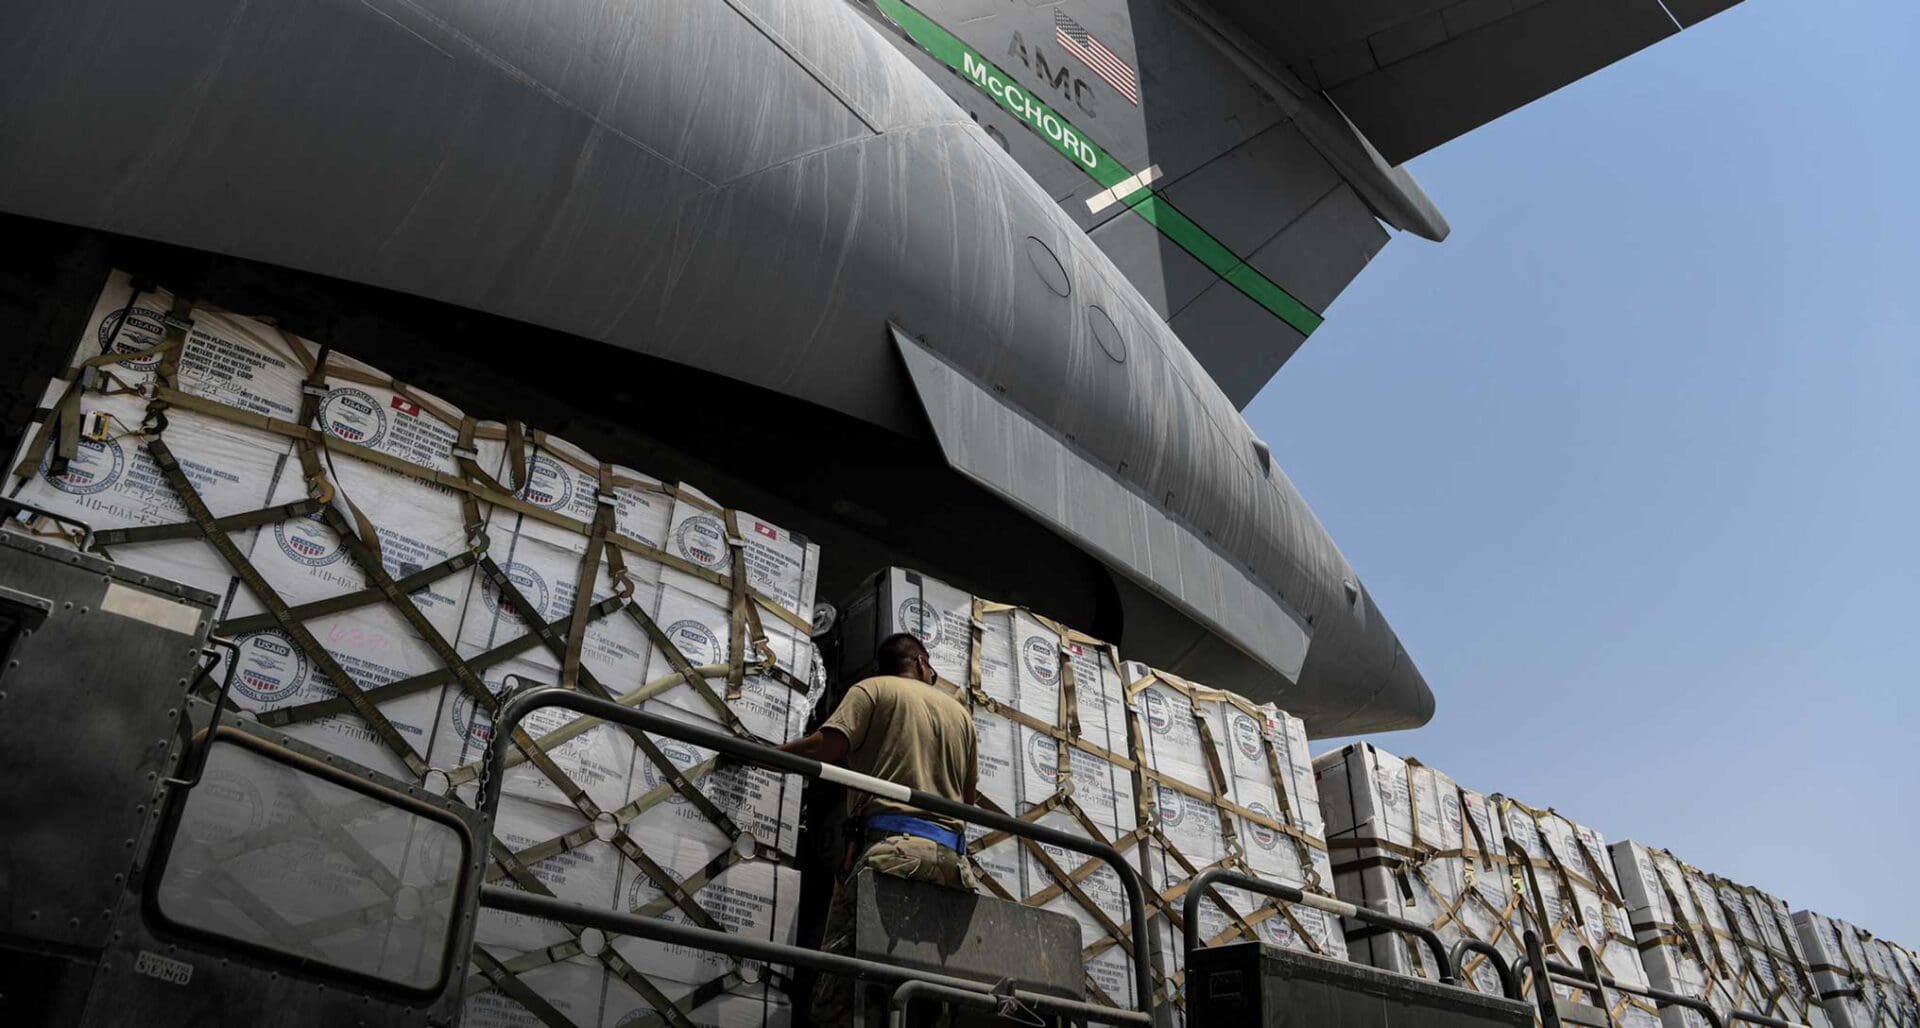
column 904, row 997
column 1205, row 880
column 614, row 922
column 1565, row 974
column 518, row 707
column 1509, row 981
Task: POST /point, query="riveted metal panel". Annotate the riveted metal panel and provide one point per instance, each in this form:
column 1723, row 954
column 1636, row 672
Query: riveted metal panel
column 90, row 703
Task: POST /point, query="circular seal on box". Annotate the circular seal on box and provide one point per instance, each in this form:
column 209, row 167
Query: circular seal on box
column 549, row 485
column 1276, row 930
column 95, row 466
column 354, row 416
column 1042, row 658
column 308, row 541
column 474, row 727
column 1389, row 785
column 703, row 540
column 271, row 667
column 1247, row 734
column 679, row 754
column 525, row 579
column 919, row 617
column 144, row 329
column 1263, row 837
column 1158, row 712
column 1044, row 754
column 1521, row 829
column 225, row 805
column 696, row 642
column 1596, row 925
column 1171, row 805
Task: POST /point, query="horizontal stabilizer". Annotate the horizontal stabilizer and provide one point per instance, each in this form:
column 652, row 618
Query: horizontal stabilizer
column 1413, row 74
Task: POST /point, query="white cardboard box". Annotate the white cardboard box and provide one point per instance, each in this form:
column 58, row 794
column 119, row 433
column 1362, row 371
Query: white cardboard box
column 418, row 523
column 1019, row 656
column 1712, row 940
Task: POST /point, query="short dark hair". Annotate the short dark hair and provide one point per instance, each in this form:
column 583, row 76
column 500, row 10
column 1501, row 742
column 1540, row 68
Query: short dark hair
column 896, row 653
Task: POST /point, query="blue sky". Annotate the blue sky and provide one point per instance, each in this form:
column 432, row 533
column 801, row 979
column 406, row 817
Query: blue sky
column 1632, row 461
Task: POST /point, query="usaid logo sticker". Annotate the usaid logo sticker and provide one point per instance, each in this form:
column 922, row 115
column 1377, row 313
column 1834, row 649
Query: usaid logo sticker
column 145, row 327
column 1596, row 925
column 1276, row 930
column 477, row 730
column 353, row 415
column 1042, row 659
column 1158, row 712
column 703, row 540
column 1263, row 837
column 95, row 467
column 696, row 642
column 271, row 668
column 679, row 754
column 527, row 581
column 1044, row 754
column 1389, row 785
column 1172, row 809
column 548, row 483
column 1246, row 735
column 308, row 541
column 1521, row 830
column 919, row 617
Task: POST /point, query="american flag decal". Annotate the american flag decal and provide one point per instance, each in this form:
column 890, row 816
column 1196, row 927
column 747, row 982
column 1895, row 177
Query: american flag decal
column 1095, row 55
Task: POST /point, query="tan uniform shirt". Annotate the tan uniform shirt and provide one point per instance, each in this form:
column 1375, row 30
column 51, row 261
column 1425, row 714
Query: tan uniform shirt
column 910, row 733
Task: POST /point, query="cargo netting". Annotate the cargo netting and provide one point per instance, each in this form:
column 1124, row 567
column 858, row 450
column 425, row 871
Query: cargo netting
column 1409, row 840
column 392, row 568
column 1226, row 783
column 1044, row 698
column 1862, row 980
column 1708, row 938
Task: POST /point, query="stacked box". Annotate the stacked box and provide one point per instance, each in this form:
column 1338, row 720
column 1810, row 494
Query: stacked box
column 405, row 551
column 1861, row 980
column 1013, row 669
column 1229, row 784
column 113, row 482
column 1574, row 900
column 1708, row 938
column 1408, row 840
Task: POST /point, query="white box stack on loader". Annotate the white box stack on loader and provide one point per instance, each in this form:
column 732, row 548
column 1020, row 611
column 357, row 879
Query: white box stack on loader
column 1861, row 980
column 1573, row 897
column 392, row 567
column 1710, row 939
column 1229, row 784
column 1043, row 698
column 1410, row 841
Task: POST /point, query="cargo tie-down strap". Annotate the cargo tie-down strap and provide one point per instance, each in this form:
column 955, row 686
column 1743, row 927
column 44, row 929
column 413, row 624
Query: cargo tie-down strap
column 1738, row 939
column 1065, row 731
column 1573, row 922
column 1218, row 793
column 1410, row 866
column 607, row 551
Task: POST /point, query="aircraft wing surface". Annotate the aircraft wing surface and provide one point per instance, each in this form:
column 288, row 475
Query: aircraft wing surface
column 1413, row 74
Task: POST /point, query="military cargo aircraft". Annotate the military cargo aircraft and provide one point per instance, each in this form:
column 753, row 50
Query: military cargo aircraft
column 977, row 286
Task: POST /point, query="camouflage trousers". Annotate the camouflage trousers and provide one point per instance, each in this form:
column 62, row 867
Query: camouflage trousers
column 903, row 856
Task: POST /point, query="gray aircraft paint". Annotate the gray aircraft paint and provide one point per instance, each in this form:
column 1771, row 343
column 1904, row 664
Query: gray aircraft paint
column 756, row 188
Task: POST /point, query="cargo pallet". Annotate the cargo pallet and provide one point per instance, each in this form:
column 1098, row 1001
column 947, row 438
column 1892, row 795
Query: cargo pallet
column 160, row 943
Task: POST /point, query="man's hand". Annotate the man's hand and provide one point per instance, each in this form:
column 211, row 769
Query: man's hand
column 826, row 746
